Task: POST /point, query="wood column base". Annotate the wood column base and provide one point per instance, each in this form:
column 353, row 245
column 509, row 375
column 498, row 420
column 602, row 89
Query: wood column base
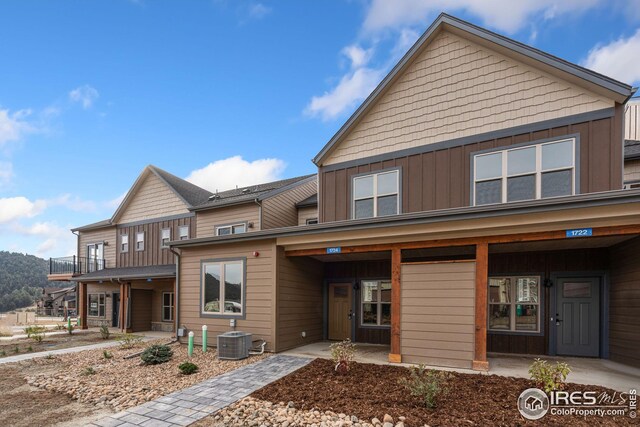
column 395, row 358
column 480, row 365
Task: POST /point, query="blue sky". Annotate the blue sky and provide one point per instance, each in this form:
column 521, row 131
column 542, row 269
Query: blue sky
column 223, row 92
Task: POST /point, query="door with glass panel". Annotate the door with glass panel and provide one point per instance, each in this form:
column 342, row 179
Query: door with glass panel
column 578, row 316
column 340, row 312
column 95, row 257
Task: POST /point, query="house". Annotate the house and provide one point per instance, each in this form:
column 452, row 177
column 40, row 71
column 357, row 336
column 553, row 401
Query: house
column 473, row 203
column 632, row 145
column 124, row 269
column 57, row 301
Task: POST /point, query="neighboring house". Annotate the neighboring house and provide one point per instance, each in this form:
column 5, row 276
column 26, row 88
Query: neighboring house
column 54, row 301
column 632, row 145
column 125, row 270
column 473, row 203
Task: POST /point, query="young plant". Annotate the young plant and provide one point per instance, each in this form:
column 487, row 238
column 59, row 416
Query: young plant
column 129, row 340
column 16, row 350
column 88, row 371
column 29, row 349
column 342, row 354
column 37, row 334
column 156, row 354
column 549, row 377
column 105, row 332
column 426, row 384
column 49, row 356
column 188, row 368
column 3, row 353
column 106, row 355
column 61, row 327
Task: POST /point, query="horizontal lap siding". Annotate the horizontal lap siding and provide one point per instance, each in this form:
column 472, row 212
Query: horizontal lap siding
column 108, row 290
column 207, row 221
column 307, row 213
column 438, row 313
column 152, row 200
column 106, row 235
column 632, row 170
column 280, row 210
column 259, row 299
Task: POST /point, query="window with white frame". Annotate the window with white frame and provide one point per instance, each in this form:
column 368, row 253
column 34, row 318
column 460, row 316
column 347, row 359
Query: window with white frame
column 231, row 229
column 525, row 173
column 311, row 221
column 96, row 305
column 140, row 241
column 124, row 243
column 165, row 237
column 183, row 232
column 514, row 304
column 222, row 287
column 375, row 303
column 167, row 306
column 376, row 194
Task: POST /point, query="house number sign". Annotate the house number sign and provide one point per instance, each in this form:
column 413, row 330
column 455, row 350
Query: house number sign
column 335, row 250
column 580, row 232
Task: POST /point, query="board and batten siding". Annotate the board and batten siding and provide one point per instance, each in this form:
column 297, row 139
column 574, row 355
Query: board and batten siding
column 102, row 235
column 153, row 199
column 632, row 121
column 456, row 88
column 310, row 212
column 624, row 303
column 299, row 301
column 208, row 220
column 437, row 317
column 260, row 290
column 280, row 210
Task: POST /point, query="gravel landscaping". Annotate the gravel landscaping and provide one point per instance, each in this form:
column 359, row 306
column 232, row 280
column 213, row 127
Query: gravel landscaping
column 49, row 342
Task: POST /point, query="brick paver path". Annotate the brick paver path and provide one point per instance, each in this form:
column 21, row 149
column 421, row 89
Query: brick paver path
column 187, row 406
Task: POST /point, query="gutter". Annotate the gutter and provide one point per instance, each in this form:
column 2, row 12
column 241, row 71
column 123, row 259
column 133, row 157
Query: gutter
column 176, row 295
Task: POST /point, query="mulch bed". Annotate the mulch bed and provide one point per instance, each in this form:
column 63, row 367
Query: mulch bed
column 369, row 391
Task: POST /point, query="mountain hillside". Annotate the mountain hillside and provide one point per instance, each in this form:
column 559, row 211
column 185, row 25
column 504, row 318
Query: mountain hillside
column 22, row 278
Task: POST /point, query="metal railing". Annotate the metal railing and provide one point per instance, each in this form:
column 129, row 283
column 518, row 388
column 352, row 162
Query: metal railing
column 75, row 265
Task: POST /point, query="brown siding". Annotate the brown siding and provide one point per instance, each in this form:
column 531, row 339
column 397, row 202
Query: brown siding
column 141, row 310
column 307, row 213
column 624, row 305
column 438, row 313
column 632, row 170
column 299, row 297
column 153, row 199
column 280, row 210
column 107, row 235
column 260, row 290
column 208, row 220
column 157, row 287
column 441, row 179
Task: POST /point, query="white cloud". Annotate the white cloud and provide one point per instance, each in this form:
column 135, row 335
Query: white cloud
column 618, row 59
column 85, row 95
column 58, row 241
column 13, row 126
column 14, row 208
column 73, row 203
column 228, row 173
column 6, row 173
column 258, row 11
column 358, row 56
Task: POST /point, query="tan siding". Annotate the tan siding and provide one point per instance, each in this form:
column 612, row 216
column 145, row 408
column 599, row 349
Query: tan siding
column 152, row 200
column 307, row 213
column 107, row 235
column 632, row 121
column 299, row 296
column 207, row 221
column 632, row 170
column 107, row 289
column 280, row 210
column 260, row 282
column 456, row 88
column 438, row 313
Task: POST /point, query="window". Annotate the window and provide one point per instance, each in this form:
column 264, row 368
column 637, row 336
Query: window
column 376, row 195
column 222, row 287
column 140, row 241
column 231, row 229
column 312, row 221
column 96, row 305
column 525, row 173
column 165, row 237
column 167, row 306
column 124, row 243
column 183, row 232
column 514, row 304
column 375, row 303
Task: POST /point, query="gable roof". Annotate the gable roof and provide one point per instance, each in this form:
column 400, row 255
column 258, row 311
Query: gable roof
column 308, row 202
column 614, row 89
column 252, row 192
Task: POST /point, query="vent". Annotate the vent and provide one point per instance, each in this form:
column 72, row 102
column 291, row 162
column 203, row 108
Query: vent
column 246, row 190
column 234, row 345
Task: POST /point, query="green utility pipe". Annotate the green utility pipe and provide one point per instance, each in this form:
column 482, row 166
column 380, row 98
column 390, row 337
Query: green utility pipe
column 68, row 323
column 204, row 338
column 190, row 351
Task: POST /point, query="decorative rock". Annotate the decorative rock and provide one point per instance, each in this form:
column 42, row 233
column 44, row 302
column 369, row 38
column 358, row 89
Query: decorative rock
column 387, row 419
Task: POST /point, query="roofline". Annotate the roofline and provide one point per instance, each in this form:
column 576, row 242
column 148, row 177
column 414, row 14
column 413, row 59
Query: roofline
column 155, row 169
column 93, row 226
column 287, row 187
column 307, row 204
column 453, row 214
column 124, row 276
column 608, row 83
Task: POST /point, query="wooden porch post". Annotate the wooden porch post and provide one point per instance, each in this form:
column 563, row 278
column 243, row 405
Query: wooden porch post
column 396, row 258
column 82, row 305
column 124, row 305
column 480, row 362
column 121, row 309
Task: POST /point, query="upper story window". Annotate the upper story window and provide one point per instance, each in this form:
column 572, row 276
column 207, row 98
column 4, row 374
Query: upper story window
column 231, row 229
column 525, row 173
column 124, row 243
column 140, row 241
column 165, row 237
column 183, row 232
column 376, row 194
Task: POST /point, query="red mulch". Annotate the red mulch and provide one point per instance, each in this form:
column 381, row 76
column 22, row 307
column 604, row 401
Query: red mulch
column 369, row 391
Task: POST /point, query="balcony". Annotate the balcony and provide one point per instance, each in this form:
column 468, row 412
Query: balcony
column 65, row 268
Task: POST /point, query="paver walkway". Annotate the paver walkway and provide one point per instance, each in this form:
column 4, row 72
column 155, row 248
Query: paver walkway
column 27, row 356
column 187, row 406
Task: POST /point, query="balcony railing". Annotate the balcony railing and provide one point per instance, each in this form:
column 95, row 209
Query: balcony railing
column 75, row 265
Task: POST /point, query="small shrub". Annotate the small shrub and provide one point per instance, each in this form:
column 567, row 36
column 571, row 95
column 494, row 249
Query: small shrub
column 156, row 354
column 49, row 356
column 61, row 327
column 37, row 334
column 106, row 354
column 29, row 349
column 549, row 377
column 426, row 384
column 16, row 350
column 105, row 332
column 129, row 340
column 188, row 368
column 343, row 354
column 88, row 371
column 3, row 353
column 32, row 330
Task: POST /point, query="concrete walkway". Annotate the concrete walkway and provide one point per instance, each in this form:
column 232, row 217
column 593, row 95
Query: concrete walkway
column 28, row 356
column 187, row 406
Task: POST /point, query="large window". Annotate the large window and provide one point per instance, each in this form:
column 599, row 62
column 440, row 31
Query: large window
column 165, row 237
column 96, row 305
column 231, row 229
column 124, row 243
column 525, row 173
column 140, row 241
column 222, row 287
column 514, row 304
column 376, row 195
column 375, row 303
column 167, row 306
column 183, row 232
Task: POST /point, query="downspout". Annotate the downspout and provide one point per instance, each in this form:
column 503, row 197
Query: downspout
column 77, row 287
column 177, row 292
column 257, row 202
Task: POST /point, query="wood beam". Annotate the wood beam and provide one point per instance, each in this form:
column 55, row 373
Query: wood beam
column 482, row 273
column 121, row 308
column 82, row 305
column 396, row 268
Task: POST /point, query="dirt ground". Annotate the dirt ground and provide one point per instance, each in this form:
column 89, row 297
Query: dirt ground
column 369, row 391
column 49, row 342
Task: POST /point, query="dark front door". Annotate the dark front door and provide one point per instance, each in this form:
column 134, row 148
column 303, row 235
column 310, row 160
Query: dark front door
column 340, row 314
column 115, row 319
column 578, row 316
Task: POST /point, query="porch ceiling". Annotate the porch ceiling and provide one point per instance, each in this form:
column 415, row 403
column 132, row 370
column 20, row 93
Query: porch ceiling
column 556, row 245
column 360, row 256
